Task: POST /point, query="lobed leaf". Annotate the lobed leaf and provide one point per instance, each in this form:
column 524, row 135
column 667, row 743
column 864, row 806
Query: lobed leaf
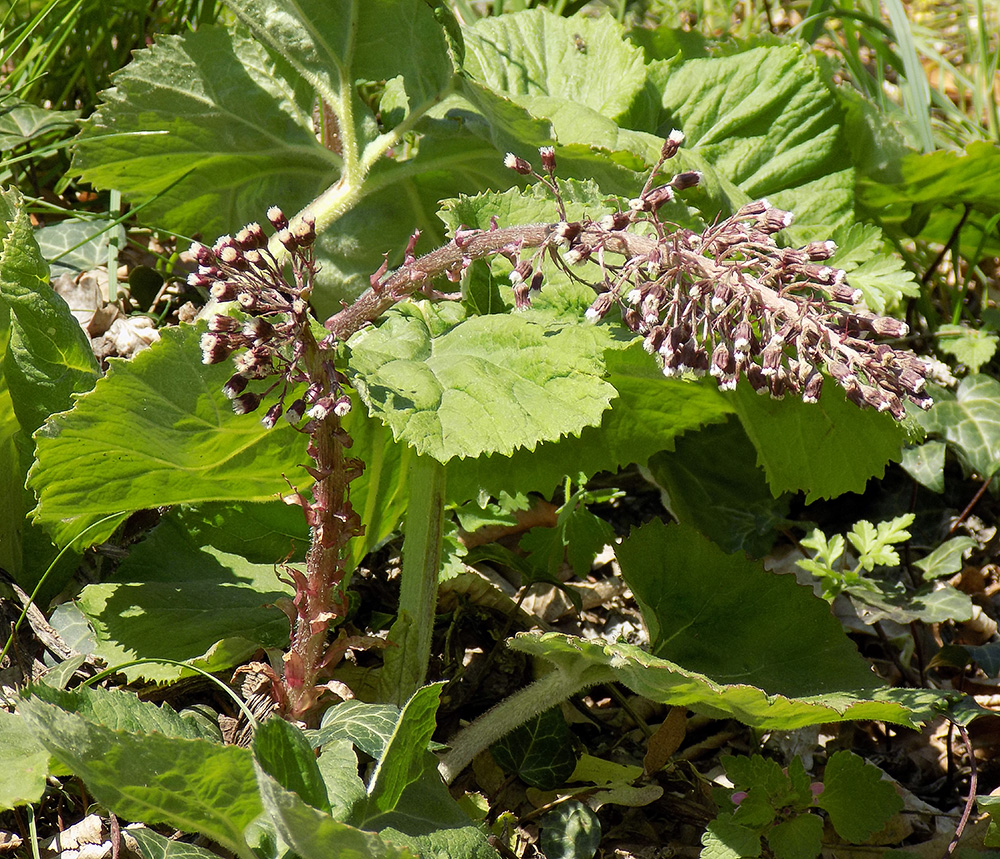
column 856, row 797
column 24, row 763
column 969, row 420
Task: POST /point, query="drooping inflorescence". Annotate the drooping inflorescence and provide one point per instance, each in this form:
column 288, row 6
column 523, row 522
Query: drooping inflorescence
column 732, row 303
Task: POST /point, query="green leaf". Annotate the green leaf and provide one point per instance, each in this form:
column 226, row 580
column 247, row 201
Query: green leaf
column 873, row 543
column 533, row 58
column 814, row 447
column 766, row 120
column 185, row 444
column 540, row 752
column 456, row 387
column 799, row 837
column 726, row 497
column 404, row 758
column 314, row 834
column 727, row 617
column 925, row 464
column 724, row 839
column 338, row 766
column 971, row 346
column 21, row 122
column 648, row 414
column 969, row 421
column 872, row 267
column 669, row 683
column 121, row 711
column 89, row 240
column 194, row 785
column 283, row 752
column 196, row 126
column 24, row 763
column 876, row 601
column 940, row 185
column 856, row 797
column 946, row 559
column 218, row 608
column 990, row 805
column 570, row 831
column 48, row 358
column 367, row 726
column 156, row 846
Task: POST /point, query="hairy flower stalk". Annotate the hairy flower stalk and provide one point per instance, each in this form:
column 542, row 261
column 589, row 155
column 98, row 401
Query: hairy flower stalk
column 275, row 351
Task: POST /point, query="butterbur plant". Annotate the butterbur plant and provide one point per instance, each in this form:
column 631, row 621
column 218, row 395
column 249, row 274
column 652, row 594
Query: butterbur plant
column 728, row 302
column 391, row 350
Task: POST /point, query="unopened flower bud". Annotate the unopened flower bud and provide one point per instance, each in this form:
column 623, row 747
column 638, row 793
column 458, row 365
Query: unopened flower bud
column 214, row 349
column 685, row 180
column 277, row 218
column 322, row 408
column 271, row 416
column 251, row 237
column 672, row 144
column 521, row 299
column 657, row 197
column 774, row 220
column 548, row 156
column 614, row 221
column 295, row 411
column 517, row 164
column 223, row 290
column 287, row 239
column 520, row 272
column 247, row 403
column 577, row 255
column 599, row 309
column 235, row 386
column 812, row 388
column 886, row 326
column 201, row 254
column 220, row 324
column 536, row 281
column 304, row 231
column 818, row 251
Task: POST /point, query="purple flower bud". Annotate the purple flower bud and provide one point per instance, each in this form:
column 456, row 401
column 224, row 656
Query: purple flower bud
column 846, row 294
column 520, row 272
column 517, row 164
column 672, row 144
column 657, row 197
column 912, row 381
column 322, row 409
column 271, row 416
column 577, row 255
column 812, row 388
column 548, row 156
column 223, row 290
column 287, row 239
column 219, row 324
column 818, row 251
column 521, row 299
column 202, row 255
column 258, row 329
column 304, row 230
column 757, row 207
column 757, row 379
column 251, row 237
column 723, row 362
column 614, row 221
column 235, row 386
column 685, row 180
column 599, row 309
column 774, row 220
column 536, row 281
column 342, row 406
column 199, row 280
column 214, row 349
column 889, row 327
column 654, row 339
column 295, row 411
column 247, row 403
column 277, row 218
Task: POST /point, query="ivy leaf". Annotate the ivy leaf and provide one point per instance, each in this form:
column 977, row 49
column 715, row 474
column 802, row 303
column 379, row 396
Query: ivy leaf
column 969, row 420
column 451, row 386
column 878, row 273
column 540, row 752
column 946, row 559
column 22, row 122
column 88, row 239
column 186, row 445
column 925, row 464
column 856, row 797
column 570, row 831
column 367, row 726
column 971, row 346
column 813, row 447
